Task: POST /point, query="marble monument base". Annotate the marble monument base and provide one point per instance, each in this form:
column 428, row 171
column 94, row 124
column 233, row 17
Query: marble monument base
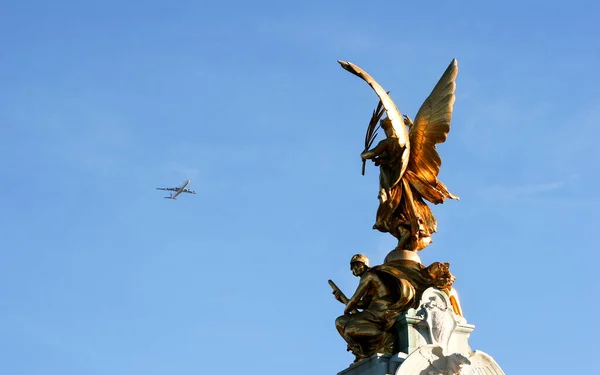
column 432, row 339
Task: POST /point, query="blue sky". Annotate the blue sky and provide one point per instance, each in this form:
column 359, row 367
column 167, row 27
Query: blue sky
column 101, row 102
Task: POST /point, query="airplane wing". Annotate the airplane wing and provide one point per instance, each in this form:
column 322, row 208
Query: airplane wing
column 168, row 189
column 189, row 191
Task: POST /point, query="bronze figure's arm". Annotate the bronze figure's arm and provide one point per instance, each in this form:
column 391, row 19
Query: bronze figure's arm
column 376, row 151
column 339, row 295
column 360, row 292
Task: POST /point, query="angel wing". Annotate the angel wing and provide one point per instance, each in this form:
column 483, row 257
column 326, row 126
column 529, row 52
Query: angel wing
column 420, row 361
column 392, row 114
column 481, row 364
column 431, row 126
column 431, row 360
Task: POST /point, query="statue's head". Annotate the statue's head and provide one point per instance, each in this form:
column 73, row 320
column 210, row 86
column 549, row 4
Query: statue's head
column 359, row 264
column 388, row 127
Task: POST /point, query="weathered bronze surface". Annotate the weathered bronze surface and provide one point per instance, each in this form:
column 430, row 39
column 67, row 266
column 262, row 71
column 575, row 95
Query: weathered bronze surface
column 408, row 160
column 383, row 293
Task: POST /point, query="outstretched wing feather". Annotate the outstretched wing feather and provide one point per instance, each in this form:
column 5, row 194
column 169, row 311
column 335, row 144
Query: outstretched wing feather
column 482, row 363
column 431, row 126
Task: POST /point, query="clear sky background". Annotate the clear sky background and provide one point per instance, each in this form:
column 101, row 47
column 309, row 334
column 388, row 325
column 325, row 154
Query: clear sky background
column 101, row 102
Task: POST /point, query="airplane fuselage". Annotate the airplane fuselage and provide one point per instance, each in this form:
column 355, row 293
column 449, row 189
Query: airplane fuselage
column 181, row 189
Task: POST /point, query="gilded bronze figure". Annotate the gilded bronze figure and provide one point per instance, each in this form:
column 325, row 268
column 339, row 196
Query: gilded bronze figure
column 402, row 306
column 408, row 160
column 383, row 293
column 409, row 165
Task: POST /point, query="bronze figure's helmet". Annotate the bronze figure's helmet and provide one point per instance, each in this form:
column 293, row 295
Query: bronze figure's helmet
column 360, row 258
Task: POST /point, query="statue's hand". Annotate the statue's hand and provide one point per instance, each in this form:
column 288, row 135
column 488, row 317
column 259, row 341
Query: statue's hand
column 338, row 296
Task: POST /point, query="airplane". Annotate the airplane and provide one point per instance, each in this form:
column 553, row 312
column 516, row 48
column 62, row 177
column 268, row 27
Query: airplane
column 178, row 190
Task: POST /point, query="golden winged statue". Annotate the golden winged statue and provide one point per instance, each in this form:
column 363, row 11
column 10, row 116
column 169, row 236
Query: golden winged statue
column 408, row 160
